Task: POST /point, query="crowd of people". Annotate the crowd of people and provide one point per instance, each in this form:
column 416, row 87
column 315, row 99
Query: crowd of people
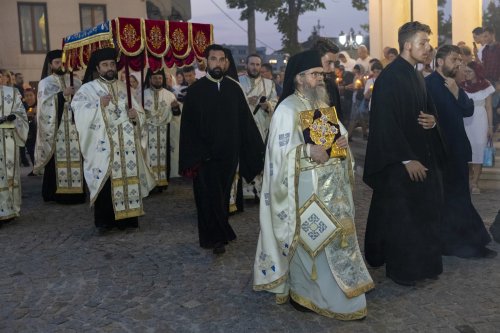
column 427, row 115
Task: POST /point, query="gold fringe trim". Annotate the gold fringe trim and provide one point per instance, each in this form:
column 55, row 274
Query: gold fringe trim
column 7, row 217
column 360, row 314
column 121, row 181
column 314, row 273
column 70, row 164
column 282, row 298
column 69, row 190
column 359, row 290
column 232, row 208
column 271, row 285
column 125, row 214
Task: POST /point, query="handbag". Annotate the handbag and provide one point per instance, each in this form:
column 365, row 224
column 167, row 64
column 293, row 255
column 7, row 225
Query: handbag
column 489, row 155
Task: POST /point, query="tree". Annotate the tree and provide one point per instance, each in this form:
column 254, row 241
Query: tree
column 491, row 17
column 248, row 14
column 287, row 14
column 444, row 25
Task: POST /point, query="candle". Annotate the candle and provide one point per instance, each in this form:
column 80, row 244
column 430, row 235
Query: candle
column 357, row 84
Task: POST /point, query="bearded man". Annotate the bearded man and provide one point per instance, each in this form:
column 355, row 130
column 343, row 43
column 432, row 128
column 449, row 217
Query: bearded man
column 261, row 96
column 402, row 166
column 114, row 166
column 158, row 105
column 307, row 250
column 57, row 150
column 217, row 133
column 463, row 233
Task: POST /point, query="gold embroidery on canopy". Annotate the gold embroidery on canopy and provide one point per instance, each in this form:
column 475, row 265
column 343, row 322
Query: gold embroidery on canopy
column 129, row 35
column 178, row 39
column 200, row 40
column 155, row 37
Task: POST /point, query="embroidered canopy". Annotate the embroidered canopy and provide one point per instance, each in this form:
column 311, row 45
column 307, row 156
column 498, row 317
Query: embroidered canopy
column 141, row 43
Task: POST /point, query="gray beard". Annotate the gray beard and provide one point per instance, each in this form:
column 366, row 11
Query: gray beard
column 317, row 95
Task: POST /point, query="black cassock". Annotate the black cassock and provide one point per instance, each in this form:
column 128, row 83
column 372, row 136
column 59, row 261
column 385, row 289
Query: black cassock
column 462, row 230
column 49, row 186
column 217, row 132
column 403, row 222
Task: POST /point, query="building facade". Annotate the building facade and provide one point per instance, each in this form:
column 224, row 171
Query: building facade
column 32, row 28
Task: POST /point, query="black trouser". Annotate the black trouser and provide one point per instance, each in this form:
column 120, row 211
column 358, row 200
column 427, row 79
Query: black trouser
column 212, row 188
column 49, row 187
column 104, row 215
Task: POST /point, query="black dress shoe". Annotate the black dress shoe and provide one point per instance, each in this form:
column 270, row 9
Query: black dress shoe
column 401, row 282
column 487, row 253
column 219, row 248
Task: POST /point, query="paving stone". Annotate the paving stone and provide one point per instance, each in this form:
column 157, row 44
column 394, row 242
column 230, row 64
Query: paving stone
column 61, row 276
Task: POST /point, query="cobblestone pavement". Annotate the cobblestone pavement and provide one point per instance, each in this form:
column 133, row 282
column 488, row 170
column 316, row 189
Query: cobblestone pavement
column 59, row 275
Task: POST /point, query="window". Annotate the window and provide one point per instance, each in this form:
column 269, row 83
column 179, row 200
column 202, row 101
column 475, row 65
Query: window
column 33, row 27
column 92, row 15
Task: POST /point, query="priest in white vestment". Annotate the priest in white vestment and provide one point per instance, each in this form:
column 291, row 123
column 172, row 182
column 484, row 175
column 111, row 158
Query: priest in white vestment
column 158, row 105
column 308, row 251
column 13, row 134
column 57, row 151
column 114, row 165
column 262, row 98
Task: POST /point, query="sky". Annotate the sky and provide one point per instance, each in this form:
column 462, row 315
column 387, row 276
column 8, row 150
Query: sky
column 338, row 16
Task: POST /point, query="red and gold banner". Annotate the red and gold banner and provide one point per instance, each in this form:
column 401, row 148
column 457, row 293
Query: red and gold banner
column 156, row 37
column 179, row 35
column 202, row 37
column 128, row 34
column 145, row 43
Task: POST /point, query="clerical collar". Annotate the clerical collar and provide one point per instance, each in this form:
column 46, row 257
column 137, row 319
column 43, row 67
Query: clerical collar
column 212, row 79
column 102, row 79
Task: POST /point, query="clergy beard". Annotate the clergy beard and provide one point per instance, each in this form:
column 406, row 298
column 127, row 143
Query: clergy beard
column 157, row 86
column 109, row 75
column 253, row 76
column 216, row 73
column 59, row 71
column 316, row 95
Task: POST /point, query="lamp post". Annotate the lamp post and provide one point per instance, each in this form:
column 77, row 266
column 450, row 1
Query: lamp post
column 350, row 40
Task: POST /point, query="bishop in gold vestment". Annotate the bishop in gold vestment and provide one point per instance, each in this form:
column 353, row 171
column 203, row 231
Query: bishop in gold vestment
column 308, row 251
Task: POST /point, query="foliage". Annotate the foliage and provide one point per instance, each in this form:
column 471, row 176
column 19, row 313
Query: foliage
column 287, row 14
column 444, row 25
column 491, row 16
column 247, row 5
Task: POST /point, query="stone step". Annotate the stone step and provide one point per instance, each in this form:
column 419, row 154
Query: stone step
column 490, row 177
column 491, row 173
column 489, row 184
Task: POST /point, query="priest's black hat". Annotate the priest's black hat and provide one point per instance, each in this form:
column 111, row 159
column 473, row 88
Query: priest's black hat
column 231, row 71
column 51, row 55
column 298, row 63
column 97, row 56
column 147, row 83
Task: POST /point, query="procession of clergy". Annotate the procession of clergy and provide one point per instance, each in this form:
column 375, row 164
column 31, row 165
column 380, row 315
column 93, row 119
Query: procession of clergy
column 91, row 139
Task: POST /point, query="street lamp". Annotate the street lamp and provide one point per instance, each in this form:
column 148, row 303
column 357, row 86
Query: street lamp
column 350, row 40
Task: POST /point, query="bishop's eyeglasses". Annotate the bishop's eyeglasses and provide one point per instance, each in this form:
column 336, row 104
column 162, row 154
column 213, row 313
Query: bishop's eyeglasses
column 315, row 75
